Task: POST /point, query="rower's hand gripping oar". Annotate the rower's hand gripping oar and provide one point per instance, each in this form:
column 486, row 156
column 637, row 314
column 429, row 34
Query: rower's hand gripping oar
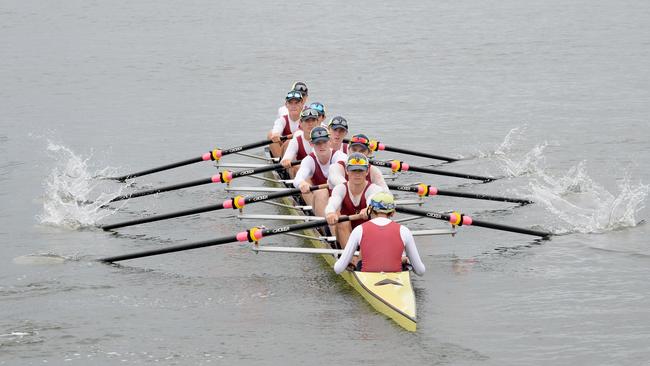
column 400, row 166
column 252, row 235
column 213, row 155
column 235, row 203
column 458, row 219
column 376, row 145
column 426, row 190
column 223, row 177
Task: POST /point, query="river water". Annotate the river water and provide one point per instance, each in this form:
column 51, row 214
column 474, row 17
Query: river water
column 551, row 96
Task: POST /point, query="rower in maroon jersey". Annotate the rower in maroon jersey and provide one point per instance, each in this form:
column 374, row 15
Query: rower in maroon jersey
column 349, row 198
column 314, row 169
column 298, row 147
column 359, row 143
column 288, row 123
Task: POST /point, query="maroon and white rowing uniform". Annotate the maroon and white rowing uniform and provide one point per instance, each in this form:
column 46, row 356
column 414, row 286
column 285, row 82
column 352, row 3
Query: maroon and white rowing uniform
column 298, row 147
column 382, row 243
column 312, row 169
column 347, row 204
column 338, row 175
column 284, row 126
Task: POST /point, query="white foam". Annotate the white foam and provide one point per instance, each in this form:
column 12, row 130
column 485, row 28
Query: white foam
column 70, row 189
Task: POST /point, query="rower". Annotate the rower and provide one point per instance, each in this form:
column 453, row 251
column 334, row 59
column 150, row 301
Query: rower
column 287, row 123
column 320, row 108
column 314, row 169
column 358, row 143
column 349, row 198
column 298, row 147
column 381, row 241
column 297, row 86
column 338, row 127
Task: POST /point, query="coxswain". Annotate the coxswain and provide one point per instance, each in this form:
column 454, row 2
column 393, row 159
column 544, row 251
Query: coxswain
column 298, row 147
column 359, row 143
column 314, row 169
column 381, row 241
column 320, row 108
column 338, row 127
column 288, row 123
column 349, row 198
column 297, row 86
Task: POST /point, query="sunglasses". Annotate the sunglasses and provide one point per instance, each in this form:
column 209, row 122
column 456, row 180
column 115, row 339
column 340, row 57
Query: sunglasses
column 359, row 140
column 318, row 107
column 300, row 87
column 355, row 161
column 294, row 95
column 342, row 122
column 308, row 113
column 319, row 133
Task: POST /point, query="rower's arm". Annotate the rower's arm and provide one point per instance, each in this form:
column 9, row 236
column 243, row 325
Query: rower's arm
column 292, row 149
column 278, row 126
column 335, row 175
column 377, row 178
column 334, row 203
column 305, row 172
column 412, row 251
column 351, row 247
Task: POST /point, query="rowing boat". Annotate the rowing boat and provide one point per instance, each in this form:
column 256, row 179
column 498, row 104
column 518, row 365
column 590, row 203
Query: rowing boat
column 390, row 293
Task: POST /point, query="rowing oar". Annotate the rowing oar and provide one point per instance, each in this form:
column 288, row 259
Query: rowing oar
column 400, row 166
column 234, row 203
column 376, row 145
column 426, row 190
column 458, row 219
column 223, row 177
column 213, row 155
column 252, row 235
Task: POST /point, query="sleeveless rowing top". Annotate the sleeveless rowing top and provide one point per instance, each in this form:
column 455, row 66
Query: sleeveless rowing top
column 381, row 247
column 287, row 126
column 319, row 177
column 302, row 153
column 348, row 207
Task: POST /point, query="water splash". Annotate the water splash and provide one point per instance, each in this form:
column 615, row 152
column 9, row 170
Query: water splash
column 514, row 136
column 68, row 189
column 530, row 163
column 584, row 206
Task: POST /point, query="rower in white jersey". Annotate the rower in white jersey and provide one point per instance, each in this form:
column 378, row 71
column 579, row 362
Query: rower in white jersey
column 286, row 124
column 358, row 144
column 381, row 241
column 314, row 170
column 320, row 108
column 298, row 147
column 338, row 127
column 349, row 198
column 297, row 86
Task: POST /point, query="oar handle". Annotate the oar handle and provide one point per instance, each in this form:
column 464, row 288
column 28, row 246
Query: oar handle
column 400, row 166
column 458, row 219
column 252, row 235
column 237, row 202
column 428, row 190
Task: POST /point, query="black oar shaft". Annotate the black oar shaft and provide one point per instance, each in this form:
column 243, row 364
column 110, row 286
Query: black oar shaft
column 205, row 157
column 227, row 204
column 432, row 191
column 401, row 166
column 446, row 217
column 163, row 189
column 224, row 240
column 376, row 145
column 223, row 177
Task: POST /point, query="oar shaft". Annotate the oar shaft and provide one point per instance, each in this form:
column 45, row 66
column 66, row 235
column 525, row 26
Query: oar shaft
column 466, row 220
column 376, row 145
column 425, row 190
column 398, row 166
column 223, row 177
column 212, row 155
column 250, row 235
column 163, row 189
column 234, row 203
